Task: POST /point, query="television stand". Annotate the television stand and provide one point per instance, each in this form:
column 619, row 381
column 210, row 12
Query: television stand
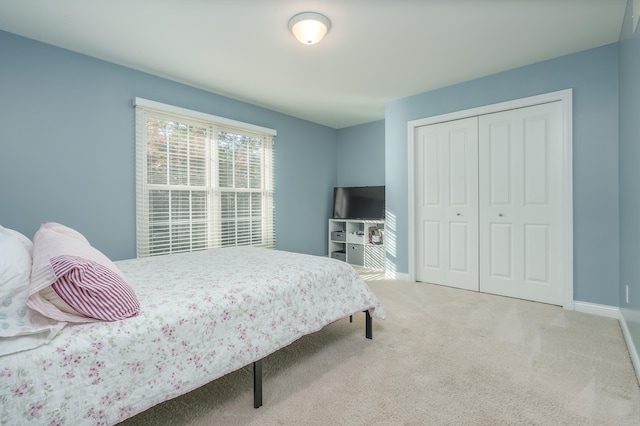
column 358, row 242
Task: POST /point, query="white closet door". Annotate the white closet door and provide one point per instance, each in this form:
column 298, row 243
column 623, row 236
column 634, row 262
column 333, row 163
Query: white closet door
column 446, row 203
column 520, row 184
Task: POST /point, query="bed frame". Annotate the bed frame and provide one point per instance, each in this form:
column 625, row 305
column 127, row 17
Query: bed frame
column 203, row 315
column 257, row 365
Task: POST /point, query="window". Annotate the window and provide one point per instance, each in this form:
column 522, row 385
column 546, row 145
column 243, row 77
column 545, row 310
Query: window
column 202, row 181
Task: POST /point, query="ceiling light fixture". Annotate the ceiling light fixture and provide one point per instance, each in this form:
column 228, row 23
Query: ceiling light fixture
column 309, row 27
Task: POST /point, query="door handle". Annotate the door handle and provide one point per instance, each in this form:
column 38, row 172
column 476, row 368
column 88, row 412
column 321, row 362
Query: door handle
column 500, row 214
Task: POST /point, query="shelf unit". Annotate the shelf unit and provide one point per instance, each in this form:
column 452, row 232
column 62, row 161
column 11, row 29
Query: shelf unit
column 358, row 242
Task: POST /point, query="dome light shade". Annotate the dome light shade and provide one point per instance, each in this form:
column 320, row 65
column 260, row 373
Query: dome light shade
column 309, row 27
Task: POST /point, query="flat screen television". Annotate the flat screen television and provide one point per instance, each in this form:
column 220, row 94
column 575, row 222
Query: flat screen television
column 358, row 202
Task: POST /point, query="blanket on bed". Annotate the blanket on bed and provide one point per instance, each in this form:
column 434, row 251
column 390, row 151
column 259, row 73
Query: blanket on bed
column 203, row 315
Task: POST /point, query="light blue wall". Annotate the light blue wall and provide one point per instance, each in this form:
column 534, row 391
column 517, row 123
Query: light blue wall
column 67, row 148
column 593, row 76
column 630, row 177
column 67, row 151
column 361, row 155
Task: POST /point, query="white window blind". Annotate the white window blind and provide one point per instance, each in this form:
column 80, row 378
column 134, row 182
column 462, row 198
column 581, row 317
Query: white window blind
column 202, row 181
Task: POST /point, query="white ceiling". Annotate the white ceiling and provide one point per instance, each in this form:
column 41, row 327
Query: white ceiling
column 375, row 52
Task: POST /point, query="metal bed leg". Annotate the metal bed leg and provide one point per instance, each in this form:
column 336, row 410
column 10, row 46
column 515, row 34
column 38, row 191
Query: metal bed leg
column 257, row 384
column 257, row 365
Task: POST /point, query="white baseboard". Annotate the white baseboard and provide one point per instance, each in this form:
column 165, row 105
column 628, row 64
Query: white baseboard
column 633, row 353
column 595, row 309
column 393, row 275
column 613, row 312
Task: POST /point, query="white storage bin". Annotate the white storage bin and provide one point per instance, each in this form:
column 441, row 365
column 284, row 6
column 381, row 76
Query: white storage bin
column 357, row 239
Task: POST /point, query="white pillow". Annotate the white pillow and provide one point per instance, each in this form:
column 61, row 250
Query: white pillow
column 21, row 328
column 26, row 242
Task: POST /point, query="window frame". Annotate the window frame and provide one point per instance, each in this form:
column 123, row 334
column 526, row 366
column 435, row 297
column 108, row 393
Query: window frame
column 145, row 108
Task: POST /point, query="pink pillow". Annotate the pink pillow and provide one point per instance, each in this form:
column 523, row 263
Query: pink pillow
column 73, row 281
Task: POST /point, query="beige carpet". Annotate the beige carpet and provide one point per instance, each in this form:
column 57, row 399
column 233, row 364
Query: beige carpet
column 443, row 356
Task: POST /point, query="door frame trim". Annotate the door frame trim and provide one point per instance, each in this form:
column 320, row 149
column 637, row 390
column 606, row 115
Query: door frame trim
column 566, row 97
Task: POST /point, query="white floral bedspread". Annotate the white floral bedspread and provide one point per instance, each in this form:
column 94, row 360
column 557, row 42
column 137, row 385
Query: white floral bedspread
column 203, row 315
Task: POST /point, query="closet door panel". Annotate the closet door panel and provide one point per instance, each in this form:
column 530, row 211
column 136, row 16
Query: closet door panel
column 520, row 181
column 458, row 168
column 536, row 164
column 497, row 234
column 429, row 155
column 458, row 246
column 536, row 254
column 431, row 258
column 499, row 164
column 446, row 203
column 501, row 255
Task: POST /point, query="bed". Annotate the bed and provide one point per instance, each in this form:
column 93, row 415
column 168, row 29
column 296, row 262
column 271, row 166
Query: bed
column 202, row 315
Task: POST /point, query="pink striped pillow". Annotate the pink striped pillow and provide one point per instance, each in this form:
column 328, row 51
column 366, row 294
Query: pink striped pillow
column 92, row 289
column 73, row 281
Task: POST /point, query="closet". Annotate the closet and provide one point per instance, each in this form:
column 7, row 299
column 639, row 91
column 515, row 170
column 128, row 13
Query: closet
column 488, row 207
